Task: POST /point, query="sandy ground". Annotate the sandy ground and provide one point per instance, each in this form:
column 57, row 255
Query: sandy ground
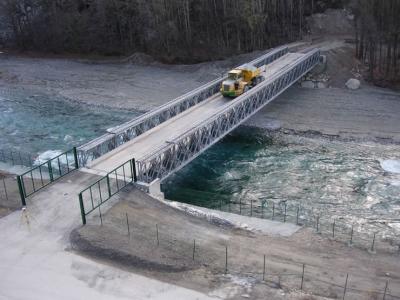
column 130, row 85
column 171, row 259
column 369, row 114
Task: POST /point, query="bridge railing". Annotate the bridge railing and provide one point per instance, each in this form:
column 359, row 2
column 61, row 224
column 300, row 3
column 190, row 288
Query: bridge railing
column 121, row 134
column 181, row 150
column 95, row 195
column 45, row 173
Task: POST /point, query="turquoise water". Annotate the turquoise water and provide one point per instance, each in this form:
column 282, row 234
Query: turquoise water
column 36, row 122
column 335, row 179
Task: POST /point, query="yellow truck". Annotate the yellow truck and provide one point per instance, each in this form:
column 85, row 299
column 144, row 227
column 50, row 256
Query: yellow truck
column 240, row 80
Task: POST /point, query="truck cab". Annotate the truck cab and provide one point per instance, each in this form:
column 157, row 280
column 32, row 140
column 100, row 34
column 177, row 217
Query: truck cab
column 240, row 80
column 233, row 84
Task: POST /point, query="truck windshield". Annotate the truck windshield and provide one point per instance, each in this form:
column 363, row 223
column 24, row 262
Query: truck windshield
column 233, row 76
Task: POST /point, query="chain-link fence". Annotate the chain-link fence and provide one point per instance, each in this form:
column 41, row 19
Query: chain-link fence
column 9, row 196
column 16, row 157
column 3, row 191
column 343, row 230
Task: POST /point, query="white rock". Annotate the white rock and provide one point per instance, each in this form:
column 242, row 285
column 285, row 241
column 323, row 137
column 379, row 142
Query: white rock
column 321, row 85
column 391, row 165
column 353, row 84
column 308, row 84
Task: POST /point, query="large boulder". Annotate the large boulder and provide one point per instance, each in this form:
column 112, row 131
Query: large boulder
column 353, row 84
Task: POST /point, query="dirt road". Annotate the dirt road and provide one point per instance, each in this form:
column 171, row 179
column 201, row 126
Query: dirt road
column 37, row 261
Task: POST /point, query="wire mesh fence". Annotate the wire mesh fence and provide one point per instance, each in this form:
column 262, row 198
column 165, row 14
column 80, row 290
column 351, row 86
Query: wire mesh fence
column 269, row 270
column 337, row 229
column 16, row 157
column 4, row 197
column 9, row 196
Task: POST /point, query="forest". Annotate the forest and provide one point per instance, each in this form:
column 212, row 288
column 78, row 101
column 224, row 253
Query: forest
column 169, row 30
column 377, row 38
column 189, row 31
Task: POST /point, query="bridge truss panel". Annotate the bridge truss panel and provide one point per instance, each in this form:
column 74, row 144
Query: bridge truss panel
column 188, row 146
column 119, row 135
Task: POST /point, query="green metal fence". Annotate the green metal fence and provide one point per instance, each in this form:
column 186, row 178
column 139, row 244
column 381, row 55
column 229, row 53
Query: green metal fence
column 42, row 175
column 103, row 189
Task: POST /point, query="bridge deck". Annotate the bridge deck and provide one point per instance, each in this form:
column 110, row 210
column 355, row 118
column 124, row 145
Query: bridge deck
column 155, row 138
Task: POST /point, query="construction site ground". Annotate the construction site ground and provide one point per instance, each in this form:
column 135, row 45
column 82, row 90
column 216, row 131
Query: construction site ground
column 46, row 242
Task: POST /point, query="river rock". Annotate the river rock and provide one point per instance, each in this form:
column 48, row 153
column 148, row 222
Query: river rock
column 353, row 84
column 308, row 84
column 391, row 166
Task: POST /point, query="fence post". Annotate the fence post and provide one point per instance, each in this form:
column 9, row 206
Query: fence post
column 251, row 207
column 21, row 190
column 101, row 216
column 262, row 210
column 82, row 209
column 373, row 243
column 127, row 224
column 333, row 228
column 284, row 217
column 273, row 210
column 317, row 224
column 158, row 240
column 76, row 163
column 226, row 259
column 302, row 277
column 133, row 165
column 194, row 247
column 264, row 269
column 384, row 293
column 50, row 170
column 351, row 235
column 108, row 185
column 345, row 286
column 297, row 215
column 5, row 189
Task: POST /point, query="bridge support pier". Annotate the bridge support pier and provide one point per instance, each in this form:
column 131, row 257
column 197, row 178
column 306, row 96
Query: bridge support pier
column 153, row 188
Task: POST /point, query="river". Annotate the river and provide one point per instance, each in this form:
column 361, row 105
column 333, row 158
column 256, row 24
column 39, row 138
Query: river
column 341, row 180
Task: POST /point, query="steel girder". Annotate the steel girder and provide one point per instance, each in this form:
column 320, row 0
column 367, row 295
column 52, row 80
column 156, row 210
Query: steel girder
column 121, row 134
column 180, row 151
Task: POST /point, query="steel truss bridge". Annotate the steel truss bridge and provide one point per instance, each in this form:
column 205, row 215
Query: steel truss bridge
column 165, row 139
